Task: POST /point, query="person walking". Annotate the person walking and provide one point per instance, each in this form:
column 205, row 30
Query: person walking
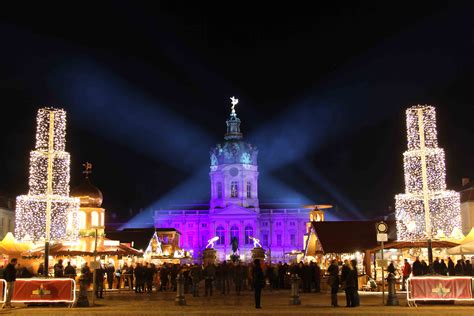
column 333, row 281
column 406, row 271
column 258, row 280
column 10, row 277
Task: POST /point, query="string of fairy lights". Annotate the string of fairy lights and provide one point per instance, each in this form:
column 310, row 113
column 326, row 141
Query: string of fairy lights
column 31, row 209
column 424, row 157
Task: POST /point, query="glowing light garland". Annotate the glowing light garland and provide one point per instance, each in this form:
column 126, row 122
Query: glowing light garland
column 424, row 157
column 50, row 158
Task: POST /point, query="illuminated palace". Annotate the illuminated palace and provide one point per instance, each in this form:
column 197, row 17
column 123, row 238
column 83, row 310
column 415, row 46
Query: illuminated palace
column 234, row 208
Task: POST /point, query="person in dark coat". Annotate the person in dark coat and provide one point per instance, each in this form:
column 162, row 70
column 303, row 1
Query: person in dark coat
column 425, row 269
column 110, row 274
column 196, row 272
column 10, row 277
column 356, row 298
column 317, row 278
column 443, row 267
column 209, row 276
column 238, row 276
column 458, row 269
column 99, row 281
column 350, row 285
column 225, row 276
column 436, row 266
column 59, row 269
column 417, row 268
column 344, row 274
column 468, row 268
column 333, row 281
column 70, row 271
column 451, row 270
column 258, row 281
column 149, row 277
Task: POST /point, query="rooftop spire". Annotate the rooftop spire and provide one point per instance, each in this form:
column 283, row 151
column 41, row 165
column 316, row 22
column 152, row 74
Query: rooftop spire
column 233, row 123
column 87, row 169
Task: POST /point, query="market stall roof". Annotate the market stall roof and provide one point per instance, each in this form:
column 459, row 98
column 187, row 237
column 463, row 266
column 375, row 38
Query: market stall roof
column 138, row 237
column 414, row 244
column 10, row 246
column 462, row 249
column 348, row 236
column 85, row 247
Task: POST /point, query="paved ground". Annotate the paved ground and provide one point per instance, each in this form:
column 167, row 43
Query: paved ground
column 274, row 303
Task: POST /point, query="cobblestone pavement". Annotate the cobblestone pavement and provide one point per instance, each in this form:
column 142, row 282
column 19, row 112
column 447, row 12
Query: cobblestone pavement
column 273, row 303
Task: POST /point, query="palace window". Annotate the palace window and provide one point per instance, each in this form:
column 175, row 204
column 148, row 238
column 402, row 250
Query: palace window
column 265, row 239
column 220, row 233
column 293, row 239
column 265, row 224
column 278, row 224
column 278, row 239
column 204, row 225
column 249, row 189
column 292, row 223
column 219, row 190
column 234, row 192
column 190, row 240
column 248, row 233
column 234, row 232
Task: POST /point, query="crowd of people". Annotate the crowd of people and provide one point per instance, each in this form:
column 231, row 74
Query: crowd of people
column 224, row 277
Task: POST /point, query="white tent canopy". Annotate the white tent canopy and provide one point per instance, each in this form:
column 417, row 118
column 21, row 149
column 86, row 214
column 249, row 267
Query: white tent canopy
column 465, row 249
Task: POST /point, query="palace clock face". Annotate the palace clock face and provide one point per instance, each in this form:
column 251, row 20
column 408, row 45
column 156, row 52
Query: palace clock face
column 382, row 227
column 234, row 171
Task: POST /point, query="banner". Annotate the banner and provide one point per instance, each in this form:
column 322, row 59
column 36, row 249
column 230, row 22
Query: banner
column 44, row 290
column 440, row 288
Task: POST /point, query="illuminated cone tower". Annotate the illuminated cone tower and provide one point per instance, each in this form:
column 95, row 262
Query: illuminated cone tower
column 426, row 209
column 47, row 212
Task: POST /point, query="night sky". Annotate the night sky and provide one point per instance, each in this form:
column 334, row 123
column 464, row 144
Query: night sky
column 323, row 91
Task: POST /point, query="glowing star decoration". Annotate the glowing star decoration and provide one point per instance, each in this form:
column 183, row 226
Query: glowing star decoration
column 234, row 102
column 426, row 207
column 47, row 212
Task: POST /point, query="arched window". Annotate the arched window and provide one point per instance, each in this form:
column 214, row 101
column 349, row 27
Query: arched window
column 102, row 220
column 219, row 190
column 94, row 219
column 234, row 232
column 248, row 233
column 249, row 189
column 234, row 189
column 82, row 220
column 220, row 233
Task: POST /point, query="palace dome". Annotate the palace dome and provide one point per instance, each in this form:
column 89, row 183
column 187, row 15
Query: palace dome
column 89, row 194
column 234, row 150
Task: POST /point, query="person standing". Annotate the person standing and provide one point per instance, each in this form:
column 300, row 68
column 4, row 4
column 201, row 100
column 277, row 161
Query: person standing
column 70, row 271
column 468, row 268
column 110, row 274
column 209, row 275
column 196, row 278
column 417, row 268
column 350, row 285
column 238, row 277
column 59, row 269
column 99, row 281
column 10, row 277
column 406, row 271
column 258, row 280
column 118, row 277
column 317, row 278
column 355, row 276
column 333, row 281
column 344, row 274
column 451, row 270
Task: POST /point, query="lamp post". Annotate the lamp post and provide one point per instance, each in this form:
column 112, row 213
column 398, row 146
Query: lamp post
column 94, row 266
